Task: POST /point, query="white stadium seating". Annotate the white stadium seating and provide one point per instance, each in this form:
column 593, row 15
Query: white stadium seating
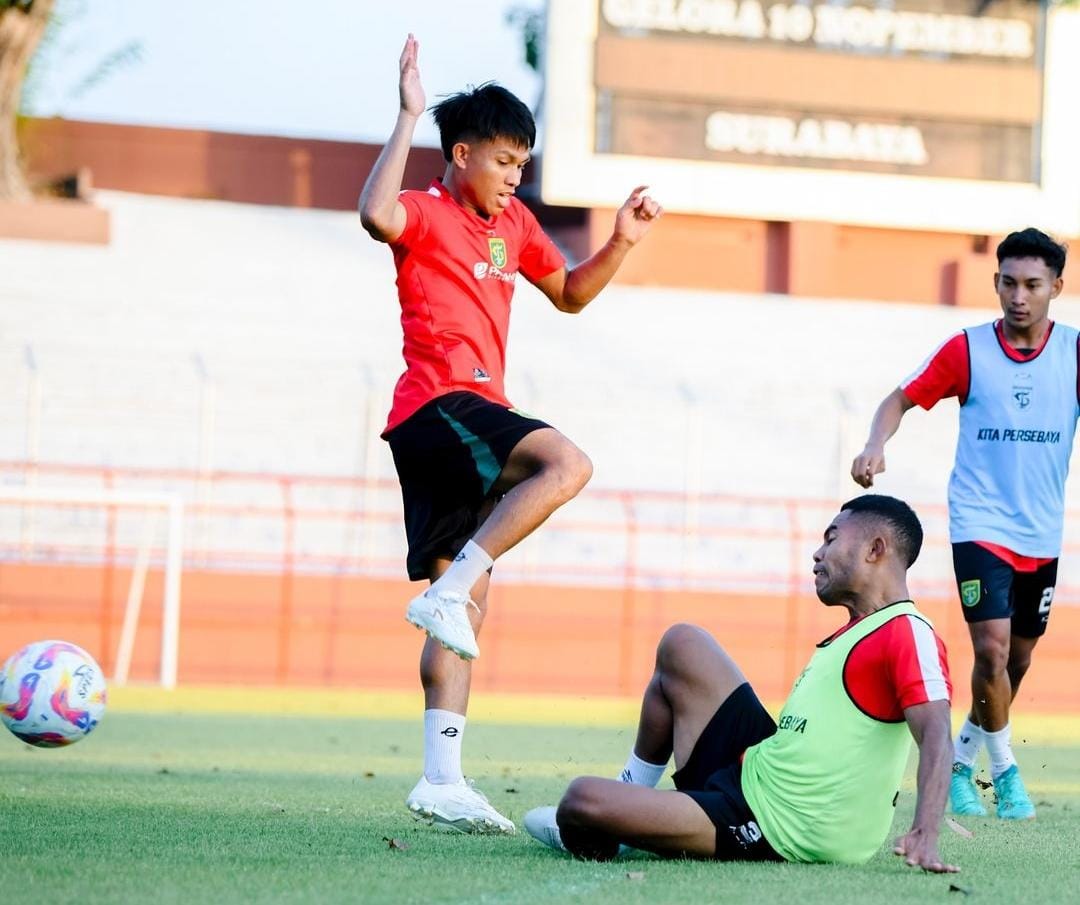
column 222, row 336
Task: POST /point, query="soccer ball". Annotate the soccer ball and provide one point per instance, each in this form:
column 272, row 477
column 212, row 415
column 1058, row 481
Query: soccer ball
column 52, row 693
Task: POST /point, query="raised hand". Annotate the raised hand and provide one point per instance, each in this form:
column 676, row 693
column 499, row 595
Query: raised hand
column 382, row 215
column 410, row 91
column 636, row 216
column 870, row 462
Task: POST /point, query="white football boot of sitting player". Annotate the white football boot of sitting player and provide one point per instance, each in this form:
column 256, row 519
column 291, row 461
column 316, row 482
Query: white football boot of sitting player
column 457, row 807
column 444, row 616
column 540, row 823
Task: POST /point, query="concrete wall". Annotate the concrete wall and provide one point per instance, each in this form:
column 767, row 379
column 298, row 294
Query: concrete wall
column 190, row 163
column 728, row 254
column 349, row 631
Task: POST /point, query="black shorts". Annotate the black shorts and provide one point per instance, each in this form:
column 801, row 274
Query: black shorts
column 712, row 775
column 990, row 588
column 448, row 455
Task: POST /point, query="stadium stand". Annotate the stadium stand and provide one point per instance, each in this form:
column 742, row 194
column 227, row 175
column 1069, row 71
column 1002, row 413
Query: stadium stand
column 215, row 338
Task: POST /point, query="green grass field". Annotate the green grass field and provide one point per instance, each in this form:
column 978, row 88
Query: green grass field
column 219, row 808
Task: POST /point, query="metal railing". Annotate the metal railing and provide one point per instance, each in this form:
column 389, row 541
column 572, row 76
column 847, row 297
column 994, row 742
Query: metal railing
column 289, row 527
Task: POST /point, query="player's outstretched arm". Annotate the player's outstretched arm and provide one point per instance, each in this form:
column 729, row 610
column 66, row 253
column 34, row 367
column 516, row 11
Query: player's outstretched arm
column 381, row 213
column 929, row 724
column 570, row 291
column 887, row 418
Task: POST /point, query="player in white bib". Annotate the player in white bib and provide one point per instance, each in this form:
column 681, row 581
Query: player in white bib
column 1017, row 383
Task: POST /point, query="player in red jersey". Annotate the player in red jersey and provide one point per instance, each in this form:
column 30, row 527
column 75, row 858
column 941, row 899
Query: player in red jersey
column 477, row 476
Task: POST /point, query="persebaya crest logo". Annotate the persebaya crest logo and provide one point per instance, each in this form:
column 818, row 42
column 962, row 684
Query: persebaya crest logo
column 497, row 247
column 970, row 592
column 1021, row 391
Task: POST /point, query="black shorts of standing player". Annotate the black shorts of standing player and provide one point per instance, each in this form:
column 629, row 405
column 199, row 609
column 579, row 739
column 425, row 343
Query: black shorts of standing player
column 990, row 588
column 448, row 456
column 712, row 775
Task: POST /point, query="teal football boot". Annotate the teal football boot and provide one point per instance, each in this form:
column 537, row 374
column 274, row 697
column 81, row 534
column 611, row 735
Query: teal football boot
column 963, row 796
column 1012, row 798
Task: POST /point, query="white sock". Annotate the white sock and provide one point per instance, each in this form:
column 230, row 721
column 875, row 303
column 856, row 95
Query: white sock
column 443, row 730
column 967, row 743
column 465, row 570
column 641, row 772
column 999, row 747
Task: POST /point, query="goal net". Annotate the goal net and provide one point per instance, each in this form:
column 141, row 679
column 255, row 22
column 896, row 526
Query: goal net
column 90, row 533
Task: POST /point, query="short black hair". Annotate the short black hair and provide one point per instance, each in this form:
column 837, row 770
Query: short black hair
column 1033, row 243
column 898, row 515
column 483, row 113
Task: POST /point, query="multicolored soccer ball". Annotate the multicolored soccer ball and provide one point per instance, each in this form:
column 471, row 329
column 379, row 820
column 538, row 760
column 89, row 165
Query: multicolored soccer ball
column 52, row 693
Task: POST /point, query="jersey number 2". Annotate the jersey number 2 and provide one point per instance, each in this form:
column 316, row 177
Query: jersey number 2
column 1044, row 603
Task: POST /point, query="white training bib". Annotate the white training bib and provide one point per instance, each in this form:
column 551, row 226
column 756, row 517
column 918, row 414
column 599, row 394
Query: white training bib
column 1016, row 435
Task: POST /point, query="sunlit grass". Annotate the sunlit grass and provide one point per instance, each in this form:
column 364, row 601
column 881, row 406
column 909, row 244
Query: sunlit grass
column 222, row 808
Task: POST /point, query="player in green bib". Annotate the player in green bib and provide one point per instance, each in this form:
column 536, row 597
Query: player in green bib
column 820, row 783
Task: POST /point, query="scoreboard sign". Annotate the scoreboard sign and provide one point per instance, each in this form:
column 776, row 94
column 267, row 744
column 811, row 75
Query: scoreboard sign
column 910, row 113
column 813, row 90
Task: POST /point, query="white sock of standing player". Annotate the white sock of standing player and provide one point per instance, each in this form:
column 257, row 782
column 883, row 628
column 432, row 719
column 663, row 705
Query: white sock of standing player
column 465, row 571
column 967, row 743
column 641, row 773
column 999, row 747
column 443, row 730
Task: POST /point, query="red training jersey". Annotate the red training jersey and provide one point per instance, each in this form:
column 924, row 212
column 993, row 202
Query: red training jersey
column 897, row 666
column 455, row 276
column 947, row 373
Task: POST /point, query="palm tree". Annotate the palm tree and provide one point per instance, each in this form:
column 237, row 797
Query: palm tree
column 22, row 24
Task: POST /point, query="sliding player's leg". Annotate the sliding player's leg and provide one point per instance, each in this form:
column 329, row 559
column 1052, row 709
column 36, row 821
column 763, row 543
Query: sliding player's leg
column 699, row 707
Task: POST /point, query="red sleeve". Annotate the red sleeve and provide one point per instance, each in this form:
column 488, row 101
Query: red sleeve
column 902, row 664
column 416, row 219
column 538, row 256
column 947, row 372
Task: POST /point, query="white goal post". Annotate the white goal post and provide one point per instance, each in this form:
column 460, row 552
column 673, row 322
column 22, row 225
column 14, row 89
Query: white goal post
column 154, row 504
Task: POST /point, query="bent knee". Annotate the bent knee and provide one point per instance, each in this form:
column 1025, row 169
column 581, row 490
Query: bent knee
column 991, row 658
column 584, row 470
column 677, row 641
column 582, row 804
column 573, row 469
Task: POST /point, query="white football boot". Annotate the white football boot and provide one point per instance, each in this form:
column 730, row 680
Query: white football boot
column 541, row 825
column 444, row 616
column 457, row 807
